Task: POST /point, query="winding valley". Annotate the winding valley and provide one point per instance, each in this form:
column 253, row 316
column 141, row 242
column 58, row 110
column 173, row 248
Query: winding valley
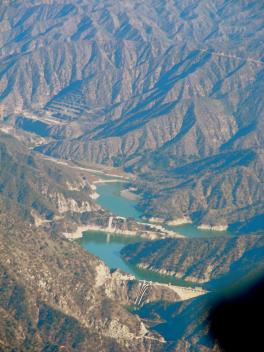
column 131, row 171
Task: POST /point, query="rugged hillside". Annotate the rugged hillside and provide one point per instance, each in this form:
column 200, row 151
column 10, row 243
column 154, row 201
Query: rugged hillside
column 170, row 90
column 55, row 294
column 214, row 261
column 58, row 196
column 43, row 190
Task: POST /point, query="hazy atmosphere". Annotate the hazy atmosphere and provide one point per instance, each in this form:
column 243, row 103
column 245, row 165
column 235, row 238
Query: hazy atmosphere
column 131, row 175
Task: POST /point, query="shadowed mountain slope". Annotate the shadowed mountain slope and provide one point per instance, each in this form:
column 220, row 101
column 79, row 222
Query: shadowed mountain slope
column 42, row 189
column 170, row 90
column 55, row 294
column 213, row 261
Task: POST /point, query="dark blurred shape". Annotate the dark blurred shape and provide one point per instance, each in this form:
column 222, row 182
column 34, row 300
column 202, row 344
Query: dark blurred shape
column 237, row 321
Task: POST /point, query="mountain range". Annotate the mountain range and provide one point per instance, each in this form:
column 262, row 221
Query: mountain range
column 167, row 95
column 171, row 91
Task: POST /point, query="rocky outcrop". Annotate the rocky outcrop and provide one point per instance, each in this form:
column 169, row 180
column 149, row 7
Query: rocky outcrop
column 64, row 204
column 55, row 293
column 43, row 189
column 126, row 288
column 123, row 286
column 169, row 91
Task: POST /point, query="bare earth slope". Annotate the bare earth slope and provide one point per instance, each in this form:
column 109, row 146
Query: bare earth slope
column 43, row 190
column 55, row 294
column 171, row 90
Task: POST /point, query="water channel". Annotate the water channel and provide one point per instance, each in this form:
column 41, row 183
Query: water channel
column 108, row 247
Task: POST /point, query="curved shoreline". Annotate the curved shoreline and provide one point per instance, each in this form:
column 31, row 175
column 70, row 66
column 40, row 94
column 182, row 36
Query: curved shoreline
column 144, row 234
column 184, row 220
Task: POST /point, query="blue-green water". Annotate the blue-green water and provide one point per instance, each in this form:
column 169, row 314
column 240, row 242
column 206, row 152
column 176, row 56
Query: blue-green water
column 189, row 230
column 111, row 200
column 107, row 247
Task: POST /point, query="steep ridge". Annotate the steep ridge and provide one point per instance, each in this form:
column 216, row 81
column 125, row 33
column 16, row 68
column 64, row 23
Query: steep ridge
column 43, row 190
column 215, row 261
column 55, row 294
column 170, row 91
column 153, row 87
column 60, row 196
